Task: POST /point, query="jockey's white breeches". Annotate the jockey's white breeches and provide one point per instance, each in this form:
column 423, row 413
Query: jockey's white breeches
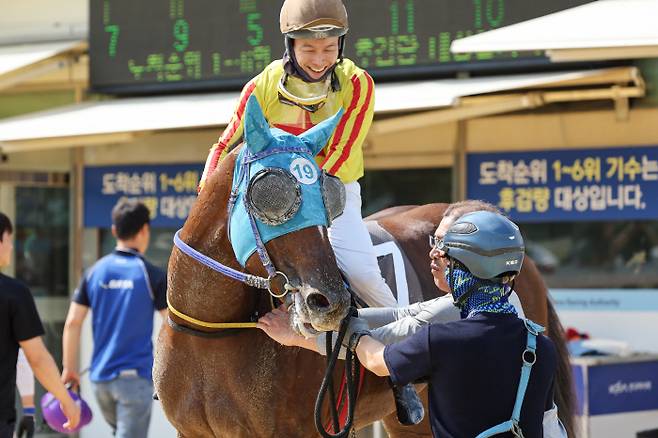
column 24, row 375
column 355, row 254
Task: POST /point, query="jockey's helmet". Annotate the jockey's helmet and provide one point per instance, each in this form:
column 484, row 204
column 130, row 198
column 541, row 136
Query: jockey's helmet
column 488, row 244
column 313, row 19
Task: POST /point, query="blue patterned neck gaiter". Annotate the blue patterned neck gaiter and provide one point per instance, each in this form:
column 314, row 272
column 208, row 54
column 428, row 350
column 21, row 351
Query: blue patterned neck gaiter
column 487, row 296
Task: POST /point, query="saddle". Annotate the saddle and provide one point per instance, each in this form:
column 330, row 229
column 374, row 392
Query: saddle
column 397, row 270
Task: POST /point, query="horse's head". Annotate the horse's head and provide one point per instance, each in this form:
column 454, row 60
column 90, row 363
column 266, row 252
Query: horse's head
column 280, row 207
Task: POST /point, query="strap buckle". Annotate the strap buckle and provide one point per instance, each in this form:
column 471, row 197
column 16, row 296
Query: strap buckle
column 516, row 429
column 533, row 327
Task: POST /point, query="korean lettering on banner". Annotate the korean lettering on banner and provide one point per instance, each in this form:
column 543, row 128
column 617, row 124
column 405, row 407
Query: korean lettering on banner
column 168, row 191
column 620, row 183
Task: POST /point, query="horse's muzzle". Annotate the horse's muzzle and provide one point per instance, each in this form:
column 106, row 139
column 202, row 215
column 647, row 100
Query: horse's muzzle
column 323, row 311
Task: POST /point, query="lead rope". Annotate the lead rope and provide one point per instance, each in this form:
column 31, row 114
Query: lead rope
column 329, row 345
column 352, row 375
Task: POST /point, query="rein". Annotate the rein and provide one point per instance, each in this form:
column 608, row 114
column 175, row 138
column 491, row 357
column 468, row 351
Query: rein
column 248, row 279
column 352, row 377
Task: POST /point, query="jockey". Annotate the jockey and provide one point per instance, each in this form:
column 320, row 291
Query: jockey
column 310, row 84
column 472, row 364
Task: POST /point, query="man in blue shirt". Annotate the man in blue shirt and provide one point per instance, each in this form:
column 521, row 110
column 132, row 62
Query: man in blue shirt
column 473, row 365
column 123, row 290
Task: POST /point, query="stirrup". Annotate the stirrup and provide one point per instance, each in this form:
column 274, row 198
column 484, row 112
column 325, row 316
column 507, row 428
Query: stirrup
column 409, row 407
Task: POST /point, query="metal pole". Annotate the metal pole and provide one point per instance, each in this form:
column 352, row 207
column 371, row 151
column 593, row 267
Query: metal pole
column 77, row 193
column 459, row 164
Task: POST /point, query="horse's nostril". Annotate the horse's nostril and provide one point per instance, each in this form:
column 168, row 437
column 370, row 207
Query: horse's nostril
column 317, row 301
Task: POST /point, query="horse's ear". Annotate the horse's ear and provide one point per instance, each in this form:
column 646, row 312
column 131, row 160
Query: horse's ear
column 257, row 135
column 317, row 137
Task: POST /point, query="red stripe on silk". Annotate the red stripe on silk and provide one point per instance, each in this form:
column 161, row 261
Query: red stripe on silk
column 356, row 84
column 356, row 130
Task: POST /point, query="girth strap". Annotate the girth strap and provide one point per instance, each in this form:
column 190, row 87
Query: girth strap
column 529, row 356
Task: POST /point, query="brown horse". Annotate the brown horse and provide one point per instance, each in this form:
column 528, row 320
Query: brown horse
column 244, row 384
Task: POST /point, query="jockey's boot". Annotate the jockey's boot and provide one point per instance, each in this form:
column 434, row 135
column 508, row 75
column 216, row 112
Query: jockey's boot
column 409, row 408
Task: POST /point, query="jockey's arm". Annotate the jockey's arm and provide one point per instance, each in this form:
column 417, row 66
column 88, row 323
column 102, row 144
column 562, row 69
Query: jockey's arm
column 231, row 136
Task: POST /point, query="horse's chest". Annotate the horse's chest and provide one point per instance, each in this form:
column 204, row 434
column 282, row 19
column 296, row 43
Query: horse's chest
column 261, row 390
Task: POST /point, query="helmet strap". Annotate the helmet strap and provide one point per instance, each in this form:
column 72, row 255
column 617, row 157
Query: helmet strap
column 510, row 288
column 341, row 47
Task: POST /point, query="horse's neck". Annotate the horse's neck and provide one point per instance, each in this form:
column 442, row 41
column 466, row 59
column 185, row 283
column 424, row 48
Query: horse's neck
column 207, row 225
column 209, row 293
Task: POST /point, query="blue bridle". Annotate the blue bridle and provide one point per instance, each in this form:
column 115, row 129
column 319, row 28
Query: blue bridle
column 269, row 148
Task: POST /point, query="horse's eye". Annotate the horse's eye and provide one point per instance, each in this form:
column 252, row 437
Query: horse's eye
column 273, row 196
column 333, row 195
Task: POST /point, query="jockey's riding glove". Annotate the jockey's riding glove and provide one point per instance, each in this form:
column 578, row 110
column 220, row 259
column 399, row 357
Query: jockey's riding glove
column 355, row 329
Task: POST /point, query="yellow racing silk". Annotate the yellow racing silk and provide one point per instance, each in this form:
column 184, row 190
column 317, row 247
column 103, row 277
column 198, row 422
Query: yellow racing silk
column 343, row 154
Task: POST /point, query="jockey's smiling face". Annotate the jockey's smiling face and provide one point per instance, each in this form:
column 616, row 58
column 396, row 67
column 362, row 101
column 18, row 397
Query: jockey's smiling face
column 316, row 56
column 438, row 260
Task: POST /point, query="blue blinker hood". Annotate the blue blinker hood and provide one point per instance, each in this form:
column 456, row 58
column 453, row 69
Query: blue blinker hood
column 266, row 147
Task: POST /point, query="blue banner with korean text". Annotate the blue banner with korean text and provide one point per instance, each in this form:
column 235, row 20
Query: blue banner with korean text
column 568, row 185
column 169, row 191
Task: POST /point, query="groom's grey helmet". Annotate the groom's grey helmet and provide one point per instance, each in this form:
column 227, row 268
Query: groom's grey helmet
column 488, row 244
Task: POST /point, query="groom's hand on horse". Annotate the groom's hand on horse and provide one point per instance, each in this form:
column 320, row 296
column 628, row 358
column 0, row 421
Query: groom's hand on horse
column 276, row 325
